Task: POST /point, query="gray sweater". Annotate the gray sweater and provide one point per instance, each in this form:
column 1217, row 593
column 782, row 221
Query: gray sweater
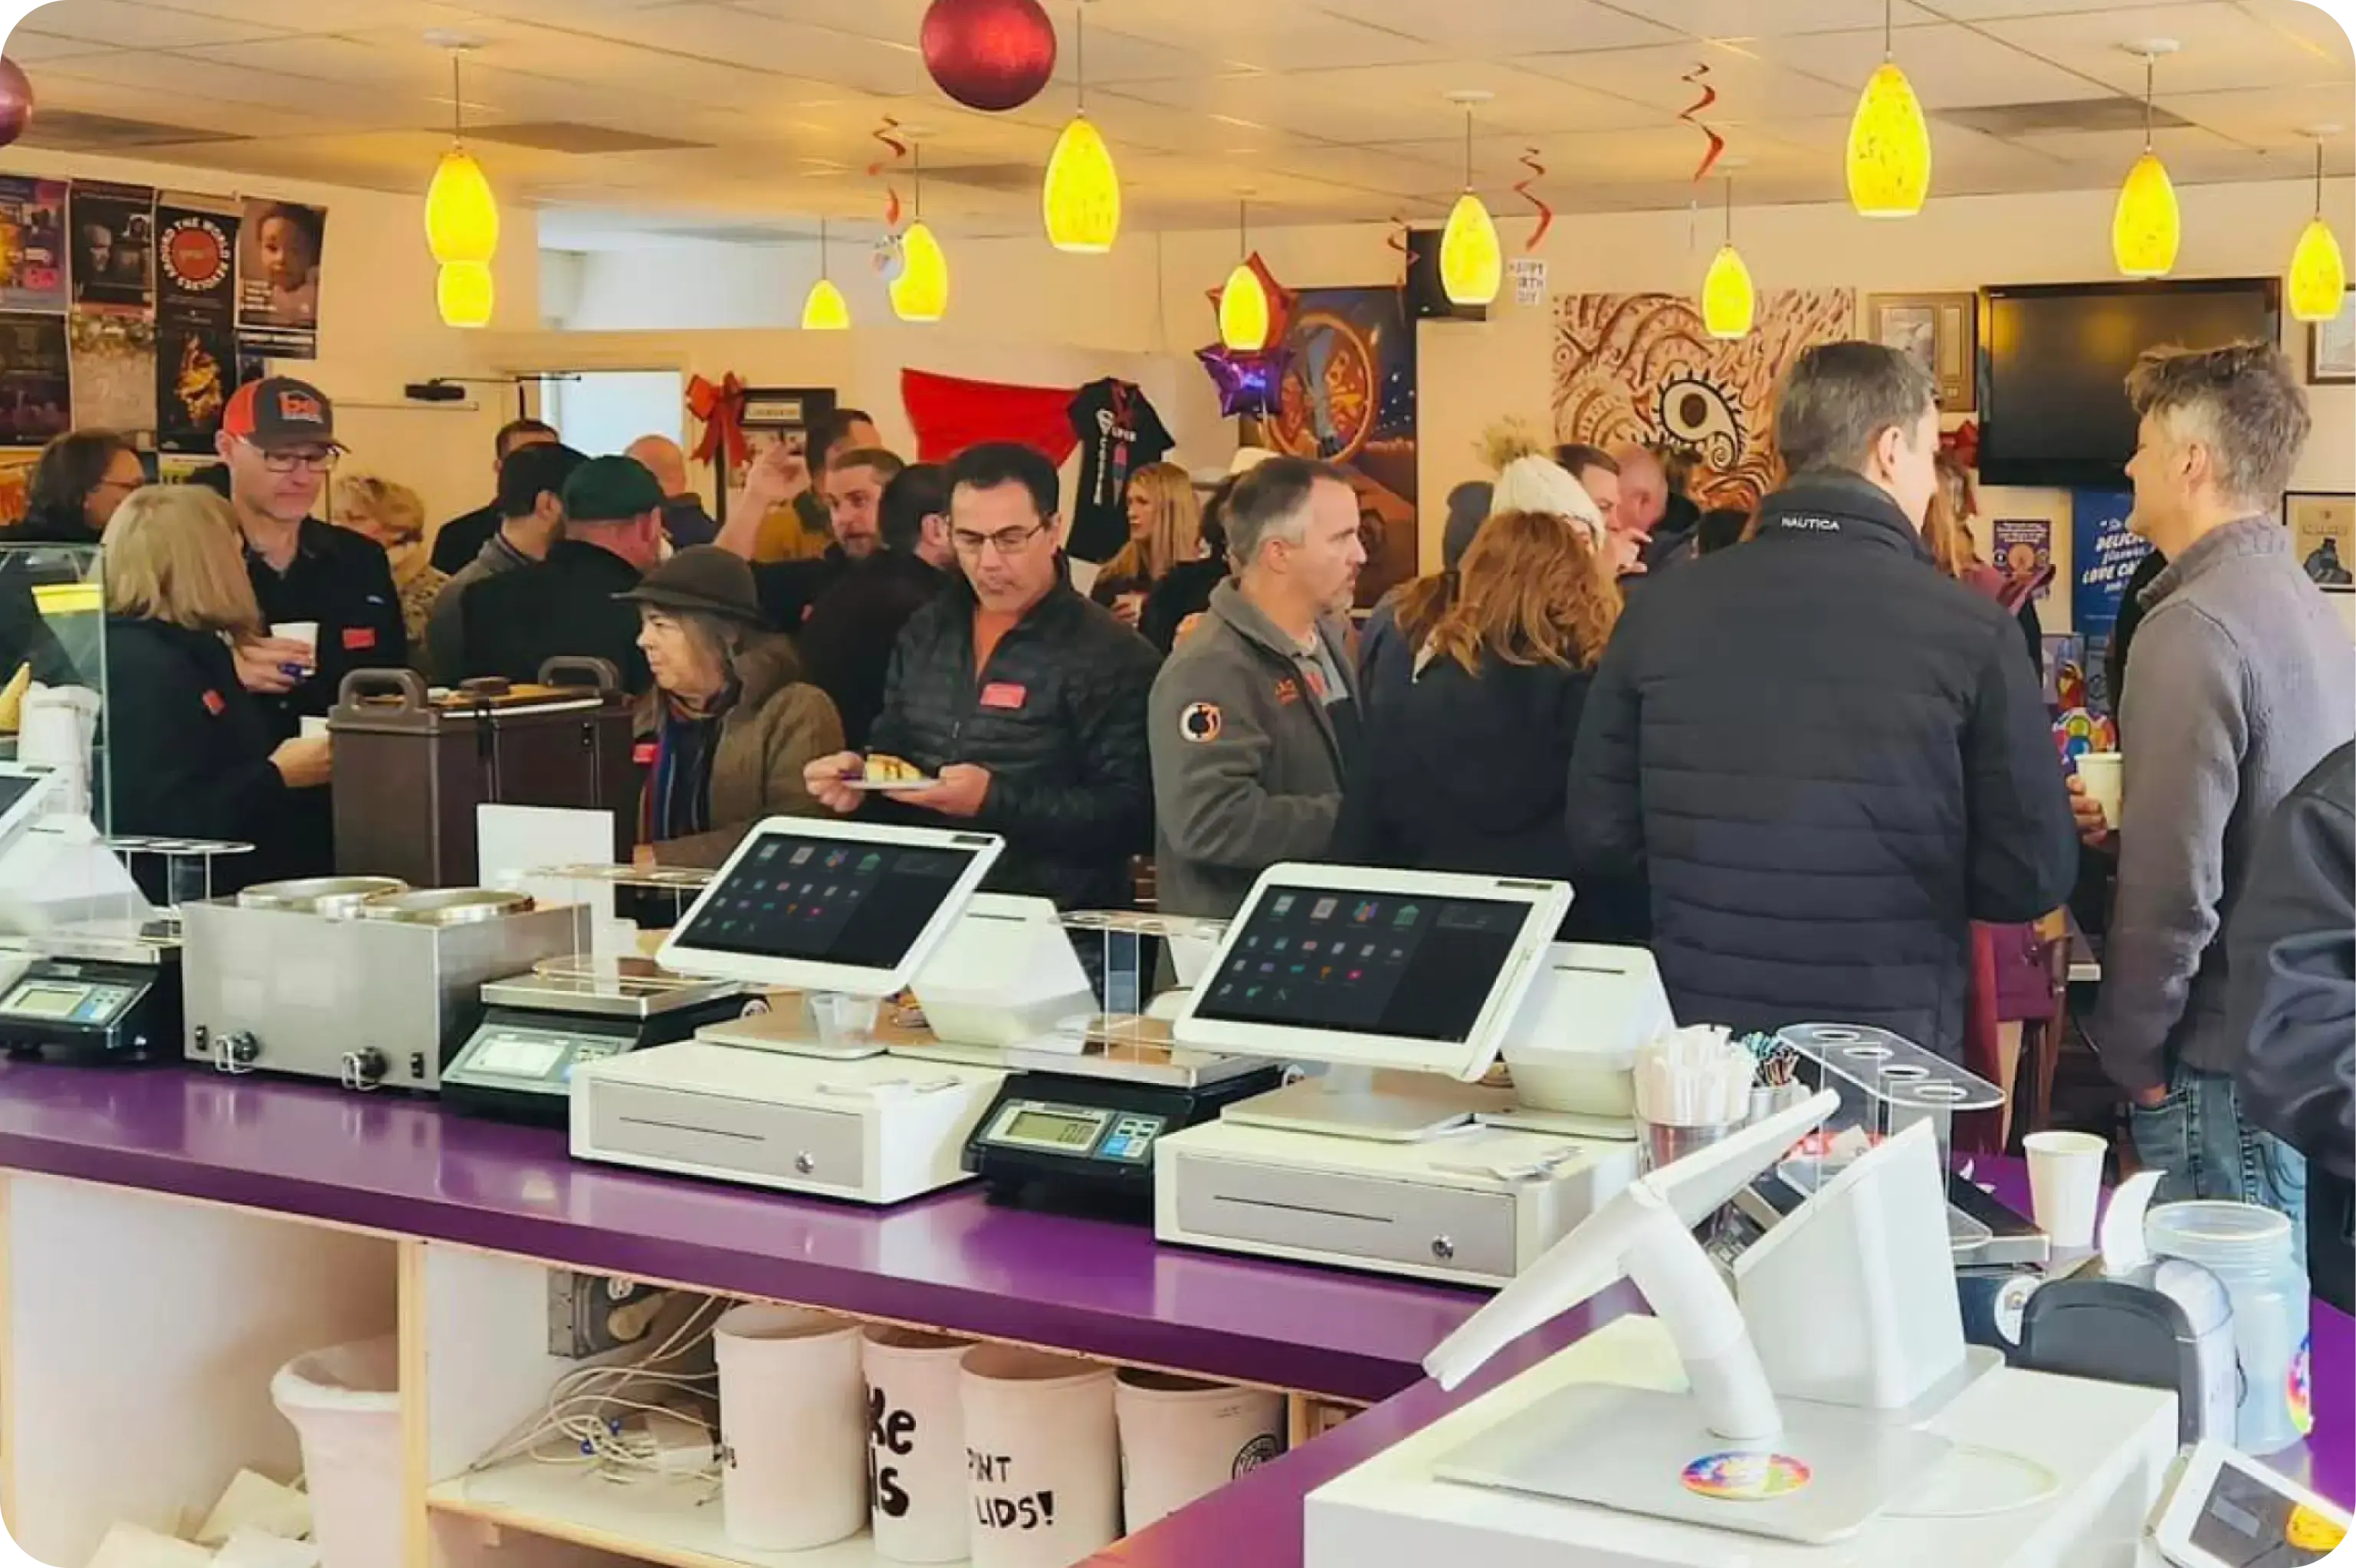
column 2241, row 679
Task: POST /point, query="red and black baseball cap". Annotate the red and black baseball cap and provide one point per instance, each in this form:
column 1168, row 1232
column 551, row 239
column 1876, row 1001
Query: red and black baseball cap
column 280, row 411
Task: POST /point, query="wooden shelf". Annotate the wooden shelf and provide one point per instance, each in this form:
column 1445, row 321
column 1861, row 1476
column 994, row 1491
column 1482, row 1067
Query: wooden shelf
column 655, row 1521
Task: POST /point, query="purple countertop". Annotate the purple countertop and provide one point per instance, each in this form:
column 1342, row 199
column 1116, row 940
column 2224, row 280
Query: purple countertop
column 954, row 1261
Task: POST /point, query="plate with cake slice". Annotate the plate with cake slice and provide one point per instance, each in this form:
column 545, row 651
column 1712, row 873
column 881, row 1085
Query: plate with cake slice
column 888, row 774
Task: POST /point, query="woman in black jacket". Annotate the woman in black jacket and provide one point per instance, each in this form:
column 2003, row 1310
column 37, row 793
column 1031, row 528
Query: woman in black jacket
column 191, row 754
column 1468, row 769
column 77, row 482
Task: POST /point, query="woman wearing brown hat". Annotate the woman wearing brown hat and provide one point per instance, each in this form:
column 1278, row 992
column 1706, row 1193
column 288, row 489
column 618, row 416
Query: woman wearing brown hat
column 730, row 725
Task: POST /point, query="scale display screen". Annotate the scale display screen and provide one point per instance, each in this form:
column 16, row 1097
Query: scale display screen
column 516, row 1054
column 1403, row 966
column 1052, row 1129
column 827, row 901
column 61, row 1001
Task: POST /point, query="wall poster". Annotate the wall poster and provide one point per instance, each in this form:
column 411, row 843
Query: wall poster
column 281, row 246
column 32, row 244
column 1640, row 368
column 196, row 319
column 36, row 379
column 113, row 246
column 1348, row 397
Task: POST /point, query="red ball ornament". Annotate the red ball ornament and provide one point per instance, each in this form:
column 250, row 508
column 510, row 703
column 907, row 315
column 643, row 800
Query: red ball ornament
column 16, row 100
column 993, row 55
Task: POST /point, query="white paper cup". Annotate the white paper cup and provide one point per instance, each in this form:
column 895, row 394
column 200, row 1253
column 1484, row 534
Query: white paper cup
column 2105, row 774
column 793, row 1428
column 918, row 1501
column 1043, row 1460
column 304, row 631
column 2065, row 1182
column 1180, row 1440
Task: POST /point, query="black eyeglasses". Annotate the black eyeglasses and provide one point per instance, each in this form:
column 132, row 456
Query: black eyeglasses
column 1005, row 541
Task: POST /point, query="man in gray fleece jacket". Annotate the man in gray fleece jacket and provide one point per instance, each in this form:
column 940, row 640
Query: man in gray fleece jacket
column 2243, row 677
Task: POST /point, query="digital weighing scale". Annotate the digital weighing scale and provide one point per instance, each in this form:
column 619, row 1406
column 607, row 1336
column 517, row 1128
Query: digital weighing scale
column 74, row 1009
column 832, row 910
column 1080, row 1132
column 518, row 1065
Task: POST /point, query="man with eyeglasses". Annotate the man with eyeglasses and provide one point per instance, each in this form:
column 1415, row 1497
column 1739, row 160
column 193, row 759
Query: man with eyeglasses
column 278, row 440
column 1023, row 702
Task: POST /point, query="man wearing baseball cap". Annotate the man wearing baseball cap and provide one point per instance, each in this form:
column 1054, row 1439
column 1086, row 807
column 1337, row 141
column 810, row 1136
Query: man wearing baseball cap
column 278, row 440
column 565, row 605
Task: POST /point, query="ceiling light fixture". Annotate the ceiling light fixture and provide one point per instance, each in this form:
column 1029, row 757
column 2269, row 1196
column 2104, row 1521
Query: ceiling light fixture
column 921, row 292
column 1889, row 140
column 462, row 218
column 825, row 310
column 2318, row 283
column 2146, row 225
column 1728, row 304
column 1081, row 197
column 1472, row 264
column 1243, row 304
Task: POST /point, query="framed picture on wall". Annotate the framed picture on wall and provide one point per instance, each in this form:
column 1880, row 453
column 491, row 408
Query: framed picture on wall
column 2323, row 537
column 2331, row 344
column 1941, row 331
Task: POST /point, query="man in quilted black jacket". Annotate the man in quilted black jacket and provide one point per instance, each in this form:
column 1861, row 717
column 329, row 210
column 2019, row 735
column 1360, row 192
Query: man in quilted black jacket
column 1824, row 758
column 1025, row 702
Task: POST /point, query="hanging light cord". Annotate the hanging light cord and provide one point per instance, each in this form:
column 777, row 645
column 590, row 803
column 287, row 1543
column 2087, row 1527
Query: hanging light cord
column 1888, row 45
column 457, row 101
column 2318, row 177
column 916, row 179
column 1080, row 54
column 821, row 248
column 1243, row 229
column 1468, row 146
column 1729, row 209
column 2151, row 69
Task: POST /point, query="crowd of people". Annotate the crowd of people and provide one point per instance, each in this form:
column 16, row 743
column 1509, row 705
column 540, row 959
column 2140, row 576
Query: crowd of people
column 1798, row 750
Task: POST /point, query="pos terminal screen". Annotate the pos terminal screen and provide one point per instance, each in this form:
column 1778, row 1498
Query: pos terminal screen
column 826, row 900
column 1406, row 967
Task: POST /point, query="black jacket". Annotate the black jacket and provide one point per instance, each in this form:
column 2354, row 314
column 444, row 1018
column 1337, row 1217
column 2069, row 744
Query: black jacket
column 26, row 634
column 1465, row 774
column 462, row 539
column 2291, row 972
column 1672, row 535
column 1058, row 718
column 1827, row 759
column 847, row 637
column 189, row 756
column 564, row 605
column 342, row 581
column 1184, row 590
column 790, row 590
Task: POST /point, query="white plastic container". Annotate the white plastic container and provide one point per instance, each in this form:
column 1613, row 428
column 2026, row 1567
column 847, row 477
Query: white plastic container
column 1180, row 1440
column 1043, row 1457
column 2251, row 1251
column 343, row 1403
column 920, row 1500
column 1572, row 1048
column 793, row 1428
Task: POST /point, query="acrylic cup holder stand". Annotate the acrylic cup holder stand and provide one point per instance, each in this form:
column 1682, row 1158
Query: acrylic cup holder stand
column 1886, row 1083
column 1122, row 950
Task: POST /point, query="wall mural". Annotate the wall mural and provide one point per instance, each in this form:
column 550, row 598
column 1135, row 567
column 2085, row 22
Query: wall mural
column 1640, row 368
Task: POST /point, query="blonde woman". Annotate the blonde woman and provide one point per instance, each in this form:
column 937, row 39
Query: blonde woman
column 1165, row 530
column 1468, row 769
column 192, row 754
column 394, row 516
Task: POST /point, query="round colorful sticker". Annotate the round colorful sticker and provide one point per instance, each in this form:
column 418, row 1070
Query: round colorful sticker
column 2300, row 1388
column 1745, row 1477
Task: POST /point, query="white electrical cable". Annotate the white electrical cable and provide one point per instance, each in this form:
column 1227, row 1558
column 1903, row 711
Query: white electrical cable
column 2049, row 1485
column 585, row 1408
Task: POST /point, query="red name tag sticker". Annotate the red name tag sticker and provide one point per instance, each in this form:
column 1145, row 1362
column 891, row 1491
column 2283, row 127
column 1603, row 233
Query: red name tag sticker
column 216, row 704
column 359, row 637
column 1003, row 695
column 643, row 754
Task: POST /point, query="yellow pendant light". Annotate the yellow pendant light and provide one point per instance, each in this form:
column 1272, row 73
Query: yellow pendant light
column 1081, row 198
column 1472, row 261
column 2147, row 227
column 2318, row 278
column 1728, row 304
column 825, row 309
column 1243, row 304
column 921, row 292
column 463, row 293
column 1889, row 140
column 462, row 218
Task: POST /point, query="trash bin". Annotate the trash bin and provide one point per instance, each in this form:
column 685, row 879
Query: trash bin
column 345, row 1405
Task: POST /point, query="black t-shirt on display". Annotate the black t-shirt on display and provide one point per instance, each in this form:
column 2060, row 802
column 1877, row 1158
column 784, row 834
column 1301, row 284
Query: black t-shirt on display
column 1119, row 433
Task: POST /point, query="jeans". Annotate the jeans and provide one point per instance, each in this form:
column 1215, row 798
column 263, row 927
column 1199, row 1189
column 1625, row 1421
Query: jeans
column 2198, row 1140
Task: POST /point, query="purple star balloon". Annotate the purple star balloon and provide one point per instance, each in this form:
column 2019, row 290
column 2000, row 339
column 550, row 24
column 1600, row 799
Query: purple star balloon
column 1247, row 383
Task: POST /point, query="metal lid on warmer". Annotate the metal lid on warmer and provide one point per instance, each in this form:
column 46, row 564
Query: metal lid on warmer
column 445, row 906
column 321, row 895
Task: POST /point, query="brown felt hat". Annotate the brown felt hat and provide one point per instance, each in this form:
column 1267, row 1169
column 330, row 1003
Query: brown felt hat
column 702, row 578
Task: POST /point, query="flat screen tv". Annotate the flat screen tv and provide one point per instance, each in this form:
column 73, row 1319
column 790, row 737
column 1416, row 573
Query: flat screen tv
column 2055, row 359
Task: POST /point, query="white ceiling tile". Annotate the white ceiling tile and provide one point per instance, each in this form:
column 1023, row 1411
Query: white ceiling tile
column 2311, row 26
column 1749, row 86
column 1252, row 34
column 2275, row 117
column 1950, row 67
column 117, row 25
column 313, row 15
column 2225, row 48
column 27, row 47
column 1770, row 18
column 1996, row 10
column 1478, row 32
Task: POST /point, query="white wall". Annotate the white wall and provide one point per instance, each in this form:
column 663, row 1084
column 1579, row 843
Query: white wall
column 378, row 327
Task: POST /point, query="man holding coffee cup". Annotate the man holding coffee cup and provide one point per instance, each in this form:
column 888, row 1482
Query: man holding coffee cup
column 326, row 592
column 2241, row 682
